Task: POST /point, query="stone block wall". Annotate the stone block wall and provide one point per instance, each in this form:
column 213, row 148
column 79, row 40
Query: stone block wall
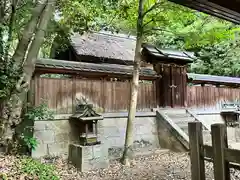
column 145, row 136
column 209, row 118
column 87, row 158
column 54, row 136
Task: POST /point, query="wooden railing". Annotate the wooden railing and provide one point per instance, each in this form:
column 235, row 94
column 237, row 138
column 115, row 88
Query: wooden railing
column 197, row 119
column 222, row 157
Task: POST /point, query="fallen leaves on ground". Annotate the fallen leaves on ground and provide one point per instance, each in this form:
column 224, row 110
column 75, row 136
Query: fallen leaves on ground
column 162, row 165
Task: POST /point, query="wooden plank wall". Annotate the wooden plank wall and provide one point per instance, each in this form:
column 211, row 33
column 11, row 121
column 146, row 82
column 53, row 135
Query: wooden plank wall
column 210, row 97
column 172, row 85
column 113, row 96
column 106, row 96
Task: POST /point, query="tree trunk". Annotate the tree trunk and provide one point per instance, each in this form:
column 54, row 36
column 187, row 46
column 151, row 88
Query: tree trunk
column 29, row 65
column 127, row 153
column 28, row 33
column 17, row 99
column 2, row 16
column 10, row 28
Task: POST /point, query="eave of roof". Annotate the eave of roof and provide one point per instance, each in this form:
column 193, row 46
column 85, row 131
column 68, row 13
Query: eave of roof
column 213, row 79
column 92, row 67
column 169, row 54
column 127, row 70
column 228, row 10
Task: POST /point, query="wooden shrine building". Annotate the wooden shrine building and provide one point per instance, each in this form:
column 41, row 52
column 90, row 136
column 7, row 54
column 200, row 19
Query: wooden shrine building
column 172, row 68
column 110, row 57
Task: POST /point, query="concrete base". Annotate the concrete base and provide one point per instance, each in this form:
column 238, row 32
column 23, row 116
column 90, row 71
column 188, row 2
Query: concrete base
column 87, row 158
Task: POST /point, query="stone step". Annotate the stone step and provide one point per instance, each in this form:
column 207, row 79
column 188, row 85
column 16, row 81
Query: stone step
column 184, row 127
column 174, row 111
column 183, row 120
column 178, row 115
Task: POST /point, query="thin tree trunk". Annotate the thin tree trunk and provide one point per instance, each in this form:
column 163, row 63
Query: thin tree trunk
column 1, row 44
column 127, row 153
column 2, row 15
column 10, row 29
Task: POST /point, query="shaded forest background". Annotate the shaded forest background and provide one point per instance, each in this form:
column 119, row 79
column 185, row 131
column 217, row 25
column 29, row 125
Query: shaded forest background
column 214, row 41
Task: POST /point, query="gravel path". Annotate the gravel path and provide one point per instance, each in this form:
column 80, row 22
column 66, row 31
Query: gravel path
column 161, row 165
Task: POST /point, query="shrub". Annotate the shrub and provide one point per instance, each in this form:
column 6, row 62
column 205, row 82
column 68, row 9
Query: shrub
column 35, row 168
column 40, row 112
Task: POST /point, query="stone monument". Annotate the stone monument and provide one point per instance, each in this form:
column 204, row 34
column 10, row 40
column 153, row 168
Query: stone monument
column 88, row 153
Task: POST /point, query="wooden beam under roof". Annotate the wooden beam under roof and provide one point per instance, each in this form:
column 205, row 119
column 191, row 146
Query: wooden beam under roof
column 228, row 10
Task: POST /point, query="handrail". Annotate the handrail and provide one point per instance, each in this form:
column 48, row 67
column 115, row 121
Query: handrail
column 206, row 126
column 182, row 136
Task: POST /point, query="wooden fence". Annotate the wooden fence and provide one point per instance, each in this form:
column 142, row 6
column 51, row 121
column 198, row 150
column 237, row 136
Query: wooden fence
column 106, row 96
column 210, row 97
column 222, row 157
column 111, row 96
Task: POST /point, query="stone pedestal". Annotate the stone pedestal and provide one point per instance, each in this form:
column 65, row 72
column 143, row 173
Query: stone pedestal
column 87, row 158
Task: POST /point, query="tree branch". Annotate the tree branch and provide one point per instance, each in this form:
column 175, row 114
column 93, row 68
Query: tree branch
column 151, row 8
column 2, row 10
column 159, row 29
column 115, row 15
column 33, row 51
column 2, row 15
column 10, row 28
column 145, row 24
column 22, row 6
column 28, row 32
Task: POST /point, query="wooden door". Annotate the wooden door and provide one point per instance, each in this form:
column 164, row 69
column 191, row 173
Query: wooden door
column 172, row 86
column 178, row 86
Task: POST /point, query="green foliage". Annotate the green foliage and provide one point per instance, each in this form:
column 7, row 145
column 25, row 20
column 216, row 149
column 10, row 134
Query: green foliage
column 9, row 74
column 35, row 168
column 30, row 142
column 40, row 112
column 9, row 34
column 3, row 176
column 219, row 59
column 80, row 16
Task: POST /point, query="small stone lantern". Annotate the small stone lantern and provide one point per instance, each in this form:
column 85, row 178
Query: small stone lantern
column 86, row 119
column 88, row 152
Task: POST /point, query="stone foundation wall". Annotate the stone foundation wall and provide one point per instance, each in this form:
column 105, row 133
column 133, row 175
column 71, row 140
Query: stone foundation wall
column 210, row 118
column 54, row 136
column 87, row 158
column 145, row 136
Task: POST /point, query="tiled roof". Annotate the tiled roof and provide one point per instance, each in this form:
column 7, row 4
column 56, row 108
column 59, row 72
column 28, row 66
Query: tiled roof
column 92, row 67
column 126, row 70
column 169, row 54
column 119, row 47
column 213, row 79
column 104, row 45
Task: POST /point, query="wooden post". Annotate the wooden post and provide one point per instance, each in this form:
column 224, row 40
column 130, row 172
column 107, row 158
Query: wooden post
column 195, row 143
column 36, row 100
column 74, row 92
column 219, row 143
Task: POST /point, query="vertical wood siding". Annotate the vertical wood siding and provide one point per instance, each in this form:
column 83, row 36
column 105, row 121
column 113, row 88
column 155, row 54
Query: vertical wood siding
column 210, row 97
column 106, row 96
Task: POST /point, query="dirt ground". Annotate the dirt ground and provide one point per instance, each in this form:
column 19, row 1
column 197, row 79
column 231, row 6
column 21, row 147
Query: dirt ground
column 161, row 165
